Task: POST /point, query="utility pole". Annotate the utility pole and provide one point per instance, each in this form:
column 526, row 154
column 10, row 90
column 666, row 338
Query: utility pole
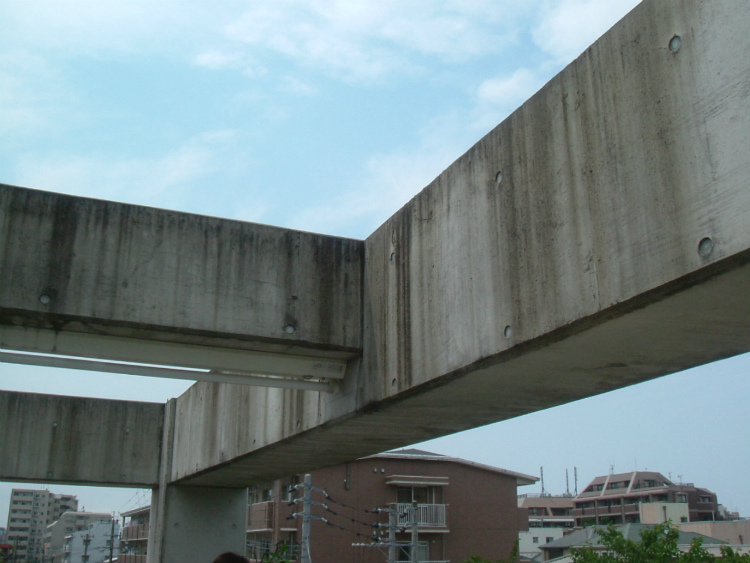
column 306, row 518
column 392, row 525
column 112, row 539
column 86, row 542
column 414, row 533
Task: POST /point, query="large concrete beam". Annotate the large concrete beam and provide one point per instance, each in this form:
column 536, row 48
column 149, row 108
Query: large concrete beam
column 596, row 238
column 76, row 269
column 47, row 439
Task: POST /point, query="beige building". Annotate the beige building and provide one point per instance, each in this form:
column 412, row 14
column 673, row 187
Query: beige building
column 734, row 532
column 29, row 513
column 134, row 538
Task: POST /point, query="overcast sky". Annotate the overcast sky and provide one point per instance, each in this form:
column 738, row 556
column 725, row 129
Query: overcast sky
column 327, row 116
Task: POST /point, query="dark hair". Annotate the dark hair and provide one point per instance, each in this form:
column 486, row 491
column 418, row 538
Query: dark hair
column 230, row 557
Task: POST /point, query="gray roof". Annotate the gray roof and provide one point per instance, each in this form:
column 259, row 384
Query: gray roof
column 521, row 478
column 589, row 536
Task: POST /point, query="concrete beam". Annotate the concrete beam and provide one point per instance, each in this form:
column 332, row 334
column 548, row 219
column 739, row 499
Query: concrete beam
column 75, row 268
column 47, row 439
column 595, row 239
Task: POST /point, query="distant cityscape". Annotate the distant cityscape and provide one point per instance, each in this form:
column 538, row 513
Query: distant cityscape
column 406, row 505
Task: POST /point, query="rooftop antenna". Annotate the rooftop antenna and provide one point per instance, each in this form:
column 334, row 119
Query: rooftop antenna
column 541, row 470
column 567, row 483
column 611, row 468
column 575, row 478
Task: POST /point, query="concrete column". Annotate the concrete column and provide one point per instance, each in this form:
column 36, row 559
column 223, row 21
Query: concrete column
column 193, row 524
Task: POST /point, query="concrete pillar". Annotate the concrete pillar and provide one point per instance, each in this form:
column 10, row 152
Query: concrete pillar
column 195, row 524
column 192, row 524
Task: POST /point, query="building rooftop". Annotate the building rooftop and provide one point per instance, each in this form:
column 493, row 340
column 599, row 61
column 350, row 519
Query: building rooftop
column 411, row 453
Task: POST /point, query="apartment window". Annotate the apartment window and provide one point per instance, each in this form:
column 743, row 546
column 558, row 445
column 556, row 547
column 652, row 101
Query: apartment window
column 681, row 498
column 422, row 495
column 549, row 539
column 705, row 499
column 535, row 539
column 260, row 493
column 598, row 487
column 614, row 485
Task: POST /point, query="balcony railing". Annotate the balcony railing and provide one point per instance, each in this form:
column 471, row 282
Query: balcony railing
column 137, row 532
column 428, row 515
column 256, row 550
column 130, row 558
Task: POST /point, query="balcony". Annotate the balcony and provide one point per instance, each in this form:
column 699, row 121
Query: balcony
column 133, row 533
column 428, row 515
column 260, row 516
column 130, row 558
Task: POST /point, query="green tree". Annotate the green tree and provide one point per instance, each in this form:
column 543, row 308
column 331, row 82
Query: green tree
column 278, row 556
column 657, row 545
column 511, row 559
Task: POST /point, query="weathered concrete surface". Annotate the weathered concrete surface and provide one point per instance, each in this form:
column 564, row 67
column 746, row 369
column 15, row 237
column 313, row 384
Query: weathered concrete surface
column 580, row 270
column 613, row 248
column 47, row 439
column 199, row 524
column 136, row 272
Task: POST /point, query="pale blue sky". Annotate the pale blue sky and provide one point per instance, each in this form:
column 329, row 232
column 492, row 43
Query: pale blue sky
column 327, row 116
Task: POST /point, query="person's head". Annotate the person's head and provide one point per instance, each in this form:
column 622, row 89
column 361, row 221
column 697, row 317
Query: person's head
column 230, row 557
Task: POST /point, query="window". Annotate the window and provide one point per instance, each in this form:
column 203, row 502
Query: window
column 535, row 539
column 681, row 498
column 423, row 495
column 549, row 539
column 705, row 499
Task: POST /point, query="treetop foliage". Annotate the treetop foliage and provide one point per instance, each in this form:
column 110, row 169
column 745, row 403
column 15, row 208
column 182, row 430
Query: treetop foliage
column 657, row 545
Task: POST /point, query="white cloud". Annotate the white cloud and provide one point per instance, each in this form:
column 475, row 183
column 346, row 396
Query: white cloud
column 160, row 181
column 500, row 96
column 218, row 60
column 292, row 85
column 31, row 93
column 388, row 182
column 365, row 40
column 568, row 27
column 95, row 28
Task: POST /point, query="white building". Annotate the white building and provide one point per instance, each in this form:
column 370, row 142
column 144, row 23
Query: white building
column 68, row 523
column 29, row 513
column 94, row 545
